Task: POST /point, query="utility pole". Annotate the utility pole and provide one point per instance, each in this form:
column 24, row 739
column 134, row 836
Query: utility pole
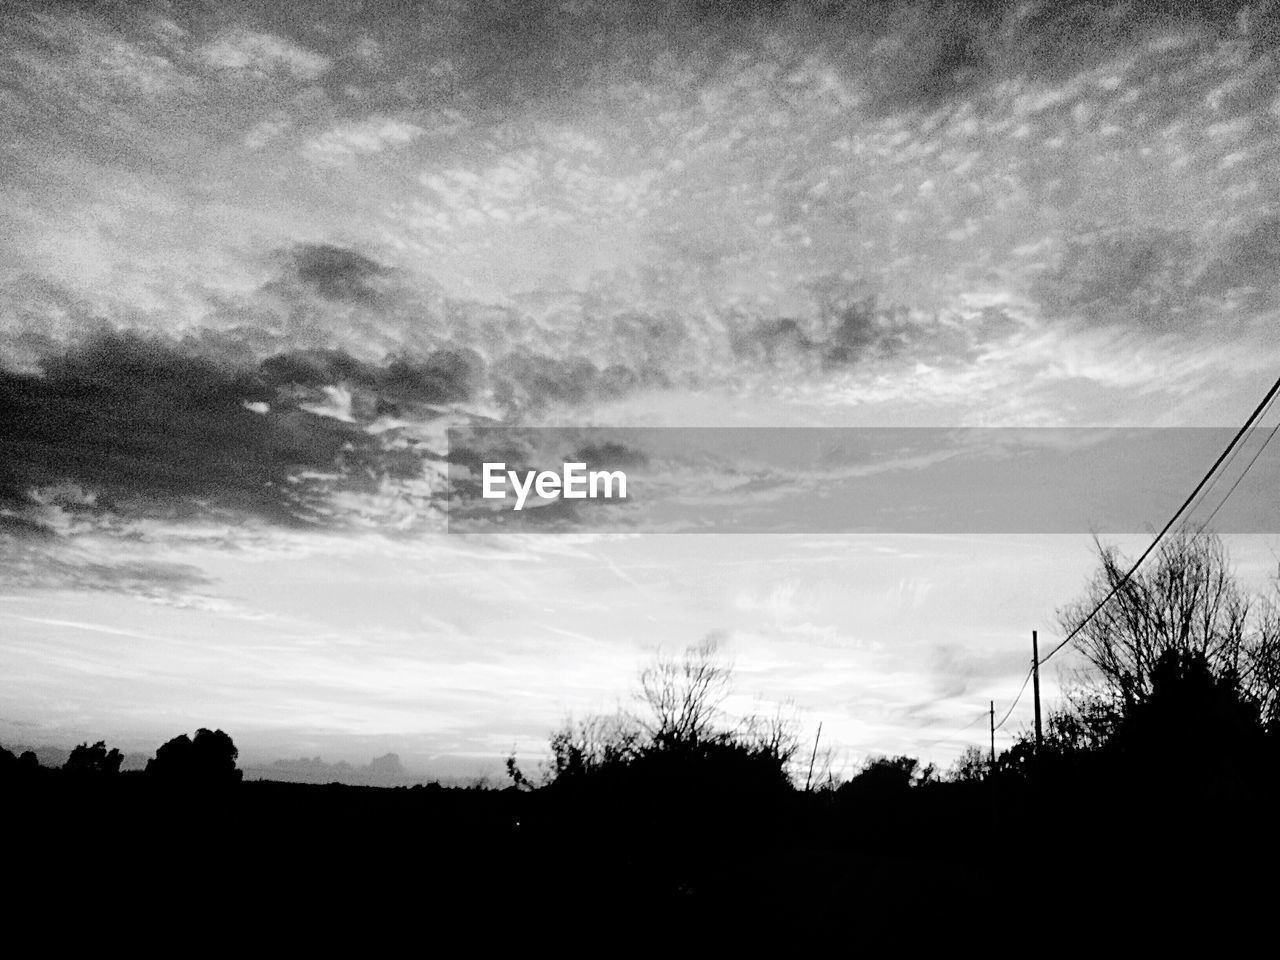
column 993, row 733
column 1035, row 686
column 813, row 758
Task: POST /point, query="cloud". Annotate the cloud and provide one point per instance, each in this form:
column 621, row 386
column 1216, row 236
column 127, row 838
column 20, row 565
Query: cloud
column 46, row 564
column 152, row 431
column 266, row 131
column 229, row 425
column 347, row 141
column 337, row 273
column 250, row 54
column 761, row 212
column 371, row 390
column 1124, row 276
column 1248, row 259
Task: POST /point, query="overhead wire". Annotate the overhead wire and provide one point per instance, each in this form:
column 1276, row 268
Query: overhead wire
column 1226, row 466
column 1266, row 402
column 1021, row 690
column 1248, row 466
column 955, row 733
column 1193, row 501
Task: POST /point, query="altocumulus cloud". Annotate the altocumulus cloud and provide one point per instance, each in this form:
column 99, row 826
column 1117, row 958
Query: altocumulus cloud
column 528, row 210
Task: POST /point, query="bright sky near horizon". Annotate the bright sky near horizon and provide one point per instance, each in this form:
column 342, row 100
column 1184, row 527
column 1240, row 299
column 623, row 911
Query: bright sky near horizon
column 257, row 257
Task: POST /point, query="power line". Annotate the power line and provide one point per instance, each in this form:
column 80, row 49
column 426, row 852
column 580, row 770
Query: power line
column 1021, row 691
column 1223, row 501
column 1266, row 401
column 1206, row 484
column 956, row 733
column 1204, row 495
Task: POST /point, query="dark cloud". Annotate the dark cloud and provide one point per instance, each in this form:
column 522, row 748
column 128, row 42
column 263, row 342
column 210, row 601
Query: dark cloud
column 581, row 349
column 842, row 333
column 506, row 53
column 927, row 54
column 316, row 368
column 503, row 54
column 440, row 377
column 907, row 55
column 153, row 431
column 525, row 380
column 13, row 525
column 332, row 310
column 443, row 376
column 610, row 455
column 337, row 273
column 131, row 425
column 912, row 54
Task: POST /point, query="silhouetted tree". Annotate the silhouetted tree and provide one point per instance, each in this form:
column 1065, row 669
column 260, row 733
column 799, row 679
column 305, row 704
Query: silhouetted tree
column 973, row 764
column 1193, row 715
column 683, row 696
column 518, row 780
column 1261, row 669
column 775, row 735
column 209, row 758
column 172, row 760
column 597, row 742
column 215, row 755
column 94, row 759
column 1187, row 604
column 881, row 776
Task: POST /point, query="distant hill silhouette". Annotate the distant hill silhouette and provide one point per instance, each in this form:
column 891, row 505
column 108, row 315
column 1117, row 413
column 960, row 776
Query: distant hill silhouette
column 383, row 771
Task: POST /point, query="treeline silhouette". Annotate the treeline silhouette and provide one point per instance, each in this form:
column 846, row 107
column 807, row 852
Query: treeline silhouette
column 1157, row 775
column 207, row 759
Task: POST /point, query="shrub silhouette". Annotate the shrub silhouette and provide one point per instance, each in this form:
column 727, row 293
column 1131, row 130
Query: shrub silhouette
column 888, row 778
column 679, row 790
column 679, row 742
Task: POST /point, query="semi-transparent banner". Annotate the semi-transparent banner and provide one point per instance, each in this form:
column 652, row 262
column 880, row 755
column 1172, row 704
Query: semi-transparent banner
column 843, row 480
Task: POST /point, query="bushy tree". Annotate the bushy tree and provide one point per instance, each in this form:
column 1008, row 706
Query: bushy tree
column 1193, row 715
column 1184, row 606
column 889, row 775
column 597, row 742
column 1181, row 676
column 214, row 755
column 973, row 764
column 94, row 759
column 209, row 758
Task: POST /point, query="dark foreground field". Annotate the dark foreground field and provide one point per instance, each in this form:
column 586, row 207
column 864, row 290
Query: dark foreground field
column 905, row 866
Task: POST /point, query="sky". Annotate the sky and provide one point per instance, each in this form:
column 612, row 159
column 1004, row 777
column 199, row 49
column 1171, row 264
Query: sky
column 258, row 258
